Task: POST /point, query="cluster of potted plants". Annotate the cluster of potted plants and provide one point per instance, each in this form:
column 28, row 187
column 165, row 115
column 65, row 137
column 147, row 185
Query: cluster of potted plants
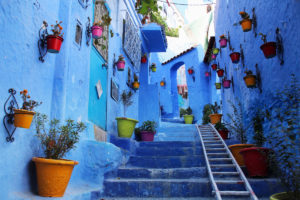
column 187, row 115
column 55, row 40
column 211, row 113
column 146, row 132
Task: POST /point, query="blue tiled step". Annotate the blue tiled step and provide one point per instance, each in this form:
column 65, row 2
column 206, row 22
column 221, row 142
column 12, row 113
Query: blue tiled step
column 168, row 151
column 170, row 144
column 175, row 173
column 161, row 137
column 166, row 161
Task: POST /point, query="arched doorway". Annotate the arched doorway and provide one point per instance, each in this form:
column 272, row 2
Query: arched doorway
column 182, row 89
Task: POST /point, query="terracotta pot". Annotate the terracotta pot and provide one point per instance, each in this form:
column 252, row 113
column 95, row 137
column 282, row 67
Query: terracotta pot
column 235, row 57
column 97, row 31
column 162, row 83
column 23, row 118
column 147, row 136
column 223, row 42
column 223, row 134
column 256, row 161
column 269, row 49
column 136, row 85
column 54, row 43
column 246, row 25
column 226, row 83
column 215, row 118
column 214, row 66
column 121, row 65
column 250, row 81
column 220, row 72
column 235, row 150
column 218, row 86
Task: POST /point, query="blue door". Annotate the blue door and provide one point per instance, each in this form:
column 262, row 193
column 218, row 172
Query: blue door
column 98, row 90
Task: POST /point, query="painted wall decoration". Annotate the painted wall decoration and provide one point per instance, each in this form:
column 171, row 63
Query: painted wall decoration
column 132, row 43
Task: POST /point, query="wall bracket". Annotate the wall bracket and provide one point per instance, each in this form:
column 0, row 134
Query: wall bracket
column 280, row 49
column 88, row 31
column 42, row 43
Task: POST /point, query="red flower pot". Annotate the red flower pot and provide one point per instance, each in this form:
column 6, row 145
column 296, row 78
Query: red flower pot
column 147, row 136
column 223, row 42
column 224, row 134
column 214, row 66
column 54, row 43
column 269, row 49
column 226, row 83
column 220, row 72
column 235, row 57
column 143, row 59
column 256, row 161
column 190, row 71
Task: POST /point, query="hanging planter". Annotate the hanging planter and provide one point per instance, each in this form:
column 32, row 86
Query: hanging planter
column 54, row 41
column 98, row 26
column 223, row 41
column 226, row 83
column 153, row 67
column 246, row 23
column 220, row 72
column 214, row 67
column 215, row 51
column 121, row 63
column 268, row 48
column 162, row 83
column 250, row 79
column 235, row 57
column 136, row 84
column 213, row 56
column 144, row 59
column 207, row 74
column 97, row 31
column 218, row 86
column 190, row 71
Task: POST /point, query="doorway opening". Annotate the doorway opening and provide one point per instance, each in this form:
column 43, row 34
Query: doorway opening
column 182, row 89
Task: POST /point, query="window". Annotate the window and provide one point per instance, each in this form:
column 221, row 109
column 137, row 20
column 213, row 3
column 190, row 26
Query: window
column 78, row 34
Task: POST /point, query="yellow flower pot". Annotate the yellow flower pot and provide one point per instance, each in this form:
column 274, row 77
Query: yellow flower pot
column 136, row 85
column 188, row 119
column 282, row 196
column 53, row 176
column 23, row 118
column 250, row 81
column 235, row 150
column 126, row 126
column 215, row 118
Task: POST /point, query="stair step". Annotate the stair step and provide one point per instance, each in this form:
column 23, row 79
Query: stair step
column 215, row 149
column 225, row 173
column 217, row 154
column 210, row 141
column 229, row 181
column 213, row 145
column 168, row 151
column 169, row 144
column 219, row 159
column 234, row 193
column 222, row 165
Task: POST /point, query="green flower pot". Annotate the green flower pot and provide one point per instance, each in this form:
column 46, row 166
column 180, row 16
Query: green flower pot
column 215, row 51
column 126, row 126
column 188, row 119
column 282, row 196
column 153, row 69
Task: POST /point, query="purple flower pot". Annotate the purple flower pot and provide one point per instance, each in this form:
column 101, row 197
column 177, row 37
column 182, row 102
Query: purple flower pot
column 226, row 83
column 147, row 136
column 223, row 42
column 96, row 32
column 121, row 65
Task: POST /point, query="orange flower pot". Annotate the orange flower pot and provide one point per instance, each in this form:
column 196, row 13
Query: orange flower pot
column 136, row 85
column 246, row 25
column 250, row 81
column 235, row 150
column 53, row 176
column 23, row 118
column 215, row 118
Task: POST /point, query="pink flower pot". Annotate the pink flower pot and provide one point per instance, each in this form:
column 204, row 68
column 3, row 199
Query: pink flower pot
column 147, row 136
column 213, row 56
column 96, row 32
column 121, row 65
column 207, row 74
column 226, row 83
column 223, row 42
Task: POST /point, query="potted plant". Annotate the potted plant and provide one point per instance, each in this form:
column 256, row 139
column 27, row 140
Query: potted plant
column 218, row 86
column 250, row 79
column 207, row 74
column 54, row 172
column 268, row 48
column 162, row 83
column 235, row 57
column 226, row 83
column 215, row 51
column 98, row 26
column 23, row 117
column 121, row 63
column 215, row 117
column 136, row 84
column 126, row 125
column 55, row 40
column 147, row 131
column 223, row 41
column 191, row 71
column 213, row 56
column 144, row 58
column 206, row 112
column 220, row 72
column 153, row 67
column 188, row 117
column 221, row 128
column 214, row 67
column 246, row 22
column 283, row 137
column 238, row 127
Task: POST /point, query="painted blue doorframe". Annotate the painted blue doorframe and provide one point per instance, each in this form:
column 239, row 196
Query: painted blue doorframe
column 97, row 106
column 174, row 92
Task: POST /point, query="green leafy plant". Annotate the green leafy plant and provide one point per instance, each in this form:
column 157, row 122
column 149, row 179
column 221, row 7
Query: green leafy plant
column 215, row 108
column 58, row 139
column 284, row 135
column 28, row 104
column 257, row 122
column 121, row 58
column 187, row 111
column 221, row 126
column 148, row 126
column 206, row 112
column 248, row 72
column 126, row 98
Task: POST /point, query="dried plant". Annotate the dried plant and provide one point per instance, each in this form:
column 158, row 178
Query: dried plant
column 28, row 104
column 57, row 28
column 126, row 100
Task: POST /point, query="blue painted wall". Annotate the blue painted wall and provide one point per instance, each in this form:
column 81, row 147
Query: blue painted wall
column 270, row 15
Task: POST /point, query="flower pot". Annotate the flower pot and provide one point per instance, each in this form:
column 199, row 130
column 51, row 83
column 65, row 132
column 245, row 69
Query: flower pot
column 23, row 118
column 97, row 32
column 269, row 49
column 153, row 69
column 188, row 119
column 256, row 161
column 54, row 43
column 235, row 150
column 246, row 25
column 282, row 196
column 223, row 134
column 235, row 57
column 223, row 42
column 121, row 65
column 53, row 176
column 125, row 126
column 190, row 71
column 207, row 74
column 147, row 136
column 215, row 51
column 218, row 86
column 143, row 59
column 220, row 72
column 226, row 83
column 250, row 81
column 213, row 56
column 136, row 85
column 215, row 118
column 214, row 67
column 162, row 83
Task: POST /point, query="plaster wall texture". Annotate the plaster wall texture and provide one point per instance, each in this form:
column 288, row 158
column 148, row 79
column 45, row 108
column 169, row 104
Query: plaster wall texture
column 270, row 15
